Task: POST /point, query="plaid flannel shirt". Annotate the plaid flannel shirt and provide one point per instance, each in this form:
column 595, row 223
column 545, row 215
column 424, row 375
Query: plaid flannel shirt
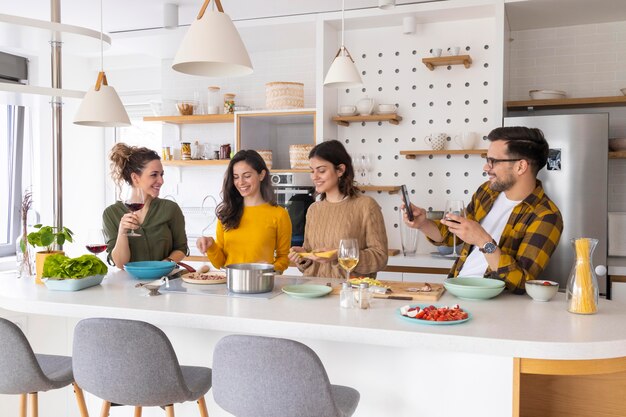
column 528, row 240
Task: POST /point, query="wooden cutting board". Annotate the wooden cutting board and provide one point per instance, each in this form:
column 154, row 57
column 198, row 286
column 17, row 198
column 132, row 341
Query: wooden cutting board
column 405, row 289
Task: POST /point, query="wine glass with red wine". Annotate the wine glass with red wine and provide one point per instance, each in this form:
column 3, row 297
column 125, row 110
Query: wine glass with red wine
column 133, row 199
column 96, row 241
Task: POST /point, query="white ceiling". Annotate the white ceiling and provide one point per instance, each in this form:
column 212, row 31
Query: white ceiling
column 128, row 15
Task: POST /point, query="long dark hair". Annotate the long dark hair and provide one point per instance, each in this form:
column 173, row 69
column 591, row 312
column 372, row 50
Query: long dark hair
column 335, row 153
column 230, row 210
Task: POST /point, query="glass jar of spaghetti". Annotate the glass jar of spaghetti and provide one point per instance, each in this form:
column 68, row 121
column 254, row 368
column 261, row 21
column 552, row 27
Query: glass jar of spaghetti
column 582, row 286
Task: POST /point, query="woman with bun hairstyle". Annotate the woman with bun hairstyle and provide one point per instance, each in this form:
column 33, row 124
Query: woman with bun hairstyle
column 341, row 213
column 160, row 222
column 251, row 227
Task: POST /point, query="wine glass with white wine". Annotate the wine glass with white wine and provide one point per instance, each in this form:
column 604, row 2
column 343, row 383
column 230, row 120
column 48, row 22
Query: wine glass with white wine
column 456, row 207
column 348, row 255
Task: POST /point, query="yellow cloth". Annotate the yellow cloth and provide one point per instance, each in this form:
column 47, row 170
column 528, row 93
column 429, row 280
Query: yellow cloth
column 263, row 235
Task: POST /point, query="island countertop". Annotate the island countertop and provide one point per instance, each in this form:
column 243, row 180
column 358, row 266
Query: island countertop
column 509, row 325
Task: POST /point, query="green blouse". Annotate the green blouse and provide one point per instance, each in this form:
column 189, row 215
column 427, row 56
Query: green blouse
column 162, row 231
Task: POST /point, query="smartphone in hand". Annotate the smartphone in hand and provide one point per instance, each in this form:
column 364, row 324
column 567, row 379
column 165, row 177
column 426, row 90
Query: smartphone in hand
column 407, row 203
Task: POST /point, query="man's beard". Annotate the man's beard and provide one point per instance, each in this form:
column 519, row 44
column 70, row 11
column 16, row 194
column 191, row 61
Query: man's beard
column 503, row 184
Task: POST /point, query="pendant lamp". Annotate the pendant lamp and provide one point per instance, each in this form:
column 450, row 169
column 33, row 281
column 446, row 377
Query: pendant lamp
column 212, row 46
column 343, row 72
column 101, row 105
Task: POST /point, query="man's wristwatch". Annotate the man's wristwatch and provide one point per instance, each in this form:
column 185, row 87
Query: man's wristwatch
column 489, row 247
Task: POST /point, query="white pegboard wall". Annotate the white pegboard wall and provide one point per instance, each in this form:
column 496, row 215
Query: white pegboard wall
column 447, row 100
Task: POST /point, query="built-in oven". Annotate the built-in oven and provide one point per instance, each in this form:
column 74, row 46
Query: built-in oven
column 295, row 192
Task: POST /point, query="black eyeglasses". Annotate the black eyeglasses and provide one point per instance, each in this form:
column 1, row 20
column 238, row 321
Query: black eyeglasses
column 492, row 161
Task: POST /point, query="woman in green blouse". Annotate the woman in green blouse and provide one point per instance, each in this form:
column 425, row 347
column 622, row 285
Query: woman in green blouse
column 160, row 222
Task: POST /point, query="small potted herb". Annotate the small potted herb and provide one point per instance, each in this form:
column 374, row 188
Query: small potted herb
column 47, row 237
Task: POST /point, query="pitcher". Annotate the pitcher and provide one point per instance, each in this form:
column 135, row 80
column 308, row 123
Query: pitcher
column 582, row 286
column 365, row 106
column 437, row 141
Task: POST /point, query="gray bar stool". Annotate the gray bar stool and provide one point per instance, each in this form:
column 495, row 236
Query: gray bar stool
column 133, row 363
column 255, row 376
column 25, row 373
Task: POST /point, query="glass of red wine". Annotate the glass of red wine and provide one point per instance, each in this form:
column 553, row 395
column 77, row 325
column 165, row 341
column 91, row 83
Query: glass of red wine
column 96, row 241
column 134, row 200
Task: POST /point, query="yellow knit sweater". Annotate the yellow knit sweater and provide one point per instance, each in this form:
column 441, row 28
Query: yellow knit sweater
column 356, row 217
column 263, row 235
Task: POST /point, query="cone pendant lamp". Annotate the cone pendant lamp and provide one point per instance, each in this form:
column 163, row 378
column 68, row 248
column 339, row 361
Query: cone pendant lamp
column 343, row 72
column 212, row 46
column 101, row 105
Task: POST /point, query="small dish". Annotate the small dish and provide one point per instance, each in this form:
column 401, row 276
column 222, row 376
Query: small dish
column 353, row 113
column 546, row 94
column 541, row 290
column 387, row 112
column 307, row 290
column 430, row 322
column 72, row 284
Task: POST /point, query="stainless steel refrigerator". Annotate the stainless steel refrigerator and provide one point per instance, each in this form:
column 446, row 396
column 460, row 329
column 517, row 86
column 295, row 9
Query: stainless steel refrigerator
column 576, row 179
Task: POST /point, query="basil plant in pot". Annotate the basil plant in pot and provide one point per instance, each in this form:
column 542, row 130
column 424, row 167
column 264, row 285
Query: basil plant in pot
column 47, row 237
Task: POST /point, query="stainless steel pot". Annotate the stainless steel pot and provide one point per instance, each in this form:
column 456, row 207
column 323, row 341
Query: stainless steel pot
column 249, row 278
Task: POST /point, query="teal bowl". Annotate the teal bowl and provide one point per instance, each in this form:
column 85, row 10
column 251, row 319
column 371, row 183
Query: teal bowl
column 149, row 269
column 474, row 288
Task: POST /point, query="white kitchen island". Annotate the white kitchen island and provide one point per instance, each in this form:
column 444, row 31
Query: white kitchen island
column 401, row 369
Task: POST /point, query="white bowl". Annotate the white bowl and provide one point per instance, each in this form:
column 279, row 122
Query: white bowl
column 538, row 290
column 546, row 94
column 617, row 144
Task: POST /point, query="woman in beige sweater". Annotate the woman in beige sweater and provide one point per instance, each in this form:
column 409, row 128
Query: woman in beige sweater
column 341, row 213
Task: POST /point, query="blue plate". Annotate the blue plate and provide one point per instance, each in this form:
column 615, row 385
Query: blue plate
column 72, row 284
column 149, row 269
column 433, row 323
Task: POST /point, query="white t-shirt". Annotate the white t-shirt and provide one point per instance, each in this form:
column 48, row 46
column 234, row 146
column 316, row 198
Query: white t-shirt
column 494, row 222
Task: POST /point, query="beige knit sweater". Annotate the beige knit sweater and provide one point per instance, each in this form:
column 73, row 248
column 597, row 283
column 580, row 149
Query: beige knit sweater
column 356, row 217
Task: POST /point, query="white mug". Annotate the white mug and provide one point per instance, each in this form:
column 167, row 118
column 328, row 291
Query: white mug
column 454, row 50
column 347, row 109
column 437, row 141
column 466, row 140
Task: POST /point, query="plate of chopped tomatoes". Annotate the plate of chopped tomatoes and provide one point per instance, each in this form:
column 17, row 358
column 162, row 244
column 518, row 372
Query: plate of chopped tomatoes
column 433, row 315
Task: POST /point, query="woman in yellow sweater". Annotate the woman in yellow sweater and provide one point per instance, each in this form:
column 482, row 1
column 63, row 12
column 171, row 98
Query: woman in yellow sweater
column 251, row 227
column 341, row 213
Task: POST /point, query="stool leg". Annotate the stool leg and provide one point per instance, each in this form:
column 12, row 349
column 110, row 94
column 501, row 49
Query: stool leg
column 23, row 407
column 202, row 407
column 169, row 410
column 106, row 406
column 80, row 399
column 137, row 411
column 34, row 405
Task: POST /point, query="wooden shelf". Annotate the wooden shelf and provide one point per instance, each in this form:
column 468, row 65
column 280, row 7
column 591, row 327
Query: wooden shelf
column 567, row 103
column 414, row 154
column 394, row 119
column 391, row 189
column 617, row 155
column 441, row 61
column 195, row 162
column 193, row 119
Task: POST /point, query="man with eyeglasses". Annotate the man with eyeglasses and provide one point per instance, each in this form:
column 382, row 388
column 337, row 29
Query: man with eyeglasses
column 511, row 227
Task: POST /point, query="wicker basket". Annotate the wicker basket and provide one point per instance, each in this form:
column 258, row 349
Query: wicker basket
column 266, row 154
column 284, row 95
column 299, row 156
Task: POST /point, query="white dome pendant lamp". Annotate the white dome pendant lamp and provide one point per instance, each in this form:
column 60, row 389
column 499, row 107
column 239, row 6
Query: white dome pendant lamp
column 343, row 72
column 101, row 105
column 212, row 47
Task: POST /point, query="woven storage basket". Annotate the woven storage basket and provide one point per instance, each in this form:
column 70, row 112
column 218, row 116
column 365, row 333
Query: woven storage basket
column 299, row 156
column 266, row 154
column 284, row 95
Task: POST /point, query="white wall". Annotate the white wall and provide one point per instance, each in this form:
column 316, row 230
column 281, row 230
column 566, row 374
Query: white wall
column 584, row 61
